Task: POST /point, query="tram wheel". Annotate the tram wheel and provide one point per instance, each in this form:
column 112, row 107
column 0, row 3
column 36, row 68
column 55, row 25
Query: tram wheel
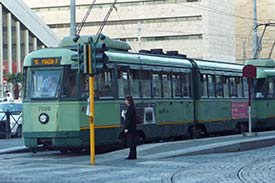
column 63, row 150
column 76, row 150
column 242, row 128
column 140, row 138
column 195, row 132
column 122, row 139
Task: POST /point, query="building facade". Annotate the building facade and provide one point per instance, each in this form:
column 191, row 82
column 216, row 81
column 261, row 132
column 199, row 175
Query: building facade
column 198, row 28
column 21, row 32
column 244, row 27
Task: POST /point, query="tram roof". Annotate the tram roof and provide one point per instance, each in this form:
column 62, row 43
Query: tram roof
column 261, row 62
column 147, row 59
column 110, row 43
column 215, row 67
column 264, row 73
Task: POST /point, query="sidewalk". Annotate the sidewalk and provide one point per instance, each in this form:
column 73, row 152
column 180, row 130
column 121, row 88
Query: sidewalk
column 173, row 149
column 11, row 145
column 223, row 144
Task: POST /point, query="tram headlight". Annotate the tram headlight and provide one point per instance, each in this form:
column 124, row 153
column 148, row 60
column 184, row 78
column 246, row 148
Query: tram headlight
column 44, row 118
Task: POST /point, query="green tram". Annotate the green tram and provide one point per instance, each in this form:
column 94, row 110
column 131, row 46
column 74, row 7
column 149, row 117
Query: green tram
column 175, row 96
column 264, row 96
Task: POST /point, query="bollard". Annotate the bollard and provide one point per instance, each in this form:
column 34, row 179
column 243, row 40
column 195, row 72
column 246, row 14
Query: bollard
column 8, row 129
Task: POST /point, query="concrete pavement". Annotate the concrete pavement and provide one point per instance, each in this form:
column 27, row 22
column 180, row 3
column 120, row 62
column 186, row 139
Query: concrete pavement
column 11, row 145
column 222, row 144
column 152, row 166
column 232, row 143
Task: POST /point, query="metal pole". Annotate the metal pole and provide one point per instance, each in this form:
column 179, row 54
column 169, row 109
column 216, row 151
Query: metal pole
column 8, row 129
column 9, row 36
column 249, row 134
column 255, row 38
column 73, row 19
column 92, row 109
column 249, row 106
column 1, row 52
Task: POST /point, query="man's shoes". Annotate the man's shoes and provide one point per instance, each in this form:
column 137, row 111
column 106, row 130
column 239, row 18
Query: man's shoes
column 129, row 158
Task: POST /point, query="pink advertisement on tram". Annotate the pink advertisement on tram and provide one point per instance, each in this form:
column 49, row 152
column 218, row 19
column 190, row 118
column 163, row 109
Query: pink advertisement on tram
column 239, row 110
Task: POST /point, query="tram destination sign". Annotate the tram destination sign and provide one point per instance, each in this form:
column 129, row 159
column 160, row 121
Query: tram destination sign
column 46, row 61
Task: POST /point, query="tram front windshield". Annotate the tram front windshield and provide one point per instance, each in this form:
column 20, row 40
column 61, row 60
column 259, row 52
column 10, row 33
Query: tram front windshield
column 45, row 83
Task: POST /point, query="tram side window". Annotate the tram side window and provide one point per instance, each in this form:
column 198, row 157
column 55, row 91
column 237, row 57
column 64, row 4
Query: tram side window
column 26, row 83
column 146, row 84
column 123, row 82
column 186, row 85
column 166, row 83
column 260, row 88
column 69, row 88
column 203, row 84
column 239, row 83
column 134, row 83
column 245, row 87
column 156, row 85
column 211, row 85
column 176, row 79
column 219, row 88
column 233, row 87
column 84, row 86
column 270, row 89
column 225, row 86
column 105, row 80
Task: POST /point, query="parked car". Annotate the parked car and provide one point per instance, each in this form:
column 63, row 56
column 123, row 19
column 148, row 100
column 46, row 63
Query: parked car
column 15, row 112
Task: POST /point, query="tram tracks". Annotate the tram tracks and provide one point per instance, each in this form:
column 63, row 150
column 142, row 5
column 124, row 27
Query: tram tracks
column 257, row 171
column 260, row 170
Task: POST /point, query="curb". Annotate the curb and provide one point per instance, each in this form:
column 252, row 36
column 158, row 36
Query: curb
column 242, row 144
column 19, row 149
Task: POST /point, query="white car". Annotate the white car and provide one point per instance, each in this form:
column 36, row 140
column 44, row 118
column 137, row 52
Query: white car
column 15, row 111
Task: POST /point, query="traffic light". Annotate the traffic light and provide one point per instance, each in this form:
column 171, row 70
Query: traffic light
column 97, row 58
column 99, row 55
column 81, row 56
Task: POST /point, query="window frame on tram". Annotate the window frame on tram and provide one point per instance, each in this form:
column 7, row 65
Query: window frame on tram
column 80, row 92
column 227, row 86
column 133, row 74
column 263, row 90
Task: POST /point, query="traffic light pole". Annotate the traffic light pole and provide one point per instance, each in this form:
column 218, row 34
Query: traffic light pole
column 92, row 109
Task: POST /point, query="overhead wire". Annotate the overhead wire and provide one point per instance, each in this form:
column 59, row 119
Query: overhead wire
column 213, row 10
column 124, row 29
column 85, row 17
